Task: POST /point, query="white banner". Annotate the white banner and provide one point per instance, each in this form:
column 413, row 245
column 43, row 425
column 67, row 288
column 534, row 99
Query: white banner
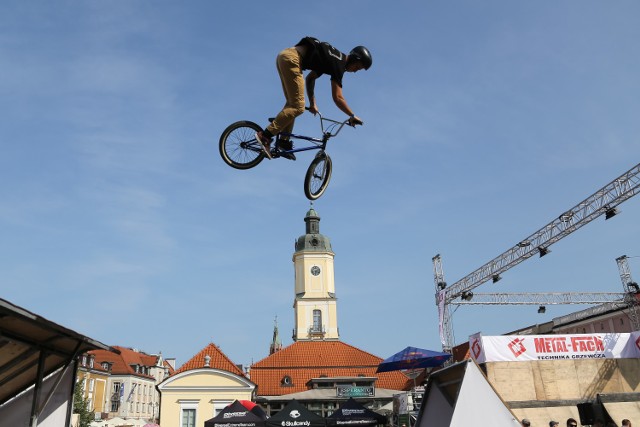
column 513, row 348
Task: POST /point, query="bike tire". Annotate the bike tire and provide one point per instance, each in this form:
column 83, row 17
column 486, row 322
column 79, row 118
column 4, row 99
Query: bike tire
column 318, row 176
column 239, row 147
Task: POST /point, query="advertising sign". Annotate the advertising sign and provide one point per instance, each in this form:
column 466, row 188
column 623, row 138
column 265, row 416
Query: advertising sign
column 352, row 391
column 513, row 348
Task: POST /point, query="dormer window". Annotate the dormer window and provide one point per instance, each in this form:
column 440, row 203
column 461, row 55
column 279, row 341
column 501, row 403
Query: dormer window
column 84, row 360
column 286, row 381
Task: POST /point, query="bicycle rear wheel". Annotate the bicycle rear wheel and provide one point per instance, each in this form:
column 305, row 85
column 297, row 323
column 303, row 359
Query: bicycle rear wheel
column 318, row 176
column 239, row 147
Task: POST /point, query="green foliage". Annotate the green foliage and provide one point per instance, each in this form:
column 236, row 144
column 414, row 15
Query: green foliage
column 85, row 416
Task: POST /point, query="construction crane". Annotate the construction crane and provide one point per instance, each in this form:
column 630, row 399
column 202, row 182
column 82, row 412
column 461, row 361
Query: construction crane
column 632, row 291
column 603, row 202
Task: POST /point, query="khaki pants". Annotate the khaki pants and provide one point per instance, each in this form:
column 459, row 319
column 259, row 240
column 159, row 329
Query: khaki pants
column 290, row 70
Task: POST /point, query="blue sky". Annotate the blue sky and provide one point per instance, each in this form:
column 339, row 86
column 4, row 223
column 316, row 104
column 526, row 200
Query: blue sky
column 483, row 122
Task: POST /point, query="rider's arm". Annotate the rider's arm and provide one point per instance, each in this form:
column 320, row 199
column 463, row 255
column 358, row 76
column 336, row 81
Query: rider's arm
column 341, row 103
column 311, row 85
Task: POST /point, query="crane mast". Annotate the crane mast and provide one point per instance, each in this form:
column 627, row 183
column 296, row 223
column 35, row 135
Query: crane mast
column 602, row 202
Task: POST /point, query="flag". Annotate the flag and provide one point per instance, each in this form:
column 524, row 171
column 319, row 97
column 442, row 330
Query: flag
column 131, row 392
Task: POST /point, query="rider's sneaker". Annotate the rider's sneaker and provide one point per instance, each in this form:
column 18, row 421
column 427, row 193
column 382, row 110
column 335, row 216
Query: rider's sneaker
column 284, row 144
column 265, row 143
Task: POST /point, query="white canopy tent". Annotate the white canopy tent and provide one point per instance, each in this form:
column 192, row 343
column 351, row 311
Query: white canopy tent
column 461, row 395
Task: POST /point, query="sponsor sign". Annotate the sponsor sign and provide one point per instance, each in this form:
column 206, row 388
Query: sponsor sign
column 295, row 423
column 352, row 391
column 513, row 348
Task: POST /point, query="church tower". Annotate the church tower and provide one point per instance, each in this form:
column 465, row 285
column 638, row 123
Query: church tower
column 276, row 344
column 315, row 301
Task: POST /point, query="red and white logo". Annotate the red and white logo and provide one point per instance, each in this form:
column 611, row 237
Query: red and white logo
column 476, row 348
column 517, row 347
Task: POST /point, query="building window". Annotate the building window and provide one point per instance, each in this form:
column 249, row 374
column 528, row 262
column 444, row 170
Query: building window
column 188, row 413
column 84, row 360
column 317, row 320
column 115, row 405
column 188, row 418
column 91, row 384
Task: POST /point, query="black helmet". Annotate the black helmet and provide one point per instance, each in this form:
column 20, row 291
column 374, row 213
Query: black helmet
column 362, row 54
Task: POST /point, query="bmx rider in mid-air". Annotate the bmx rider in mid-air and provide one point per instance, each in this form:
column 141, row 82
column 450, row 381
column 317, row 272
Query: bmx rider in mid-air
column 321, row 58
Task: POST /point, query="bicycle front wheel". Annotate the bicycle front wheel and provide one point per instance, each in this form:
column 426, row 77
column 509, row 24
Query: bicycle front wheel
column 318, row 176
column 239, row 147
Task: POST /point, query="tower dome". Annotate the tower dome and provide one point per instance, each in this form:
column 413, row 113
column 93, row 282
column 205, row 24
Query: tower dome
column 312, row 240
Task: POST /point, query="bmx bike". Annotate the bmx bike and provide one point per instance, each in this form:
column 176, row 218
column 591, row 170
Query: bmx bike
column 240, row 149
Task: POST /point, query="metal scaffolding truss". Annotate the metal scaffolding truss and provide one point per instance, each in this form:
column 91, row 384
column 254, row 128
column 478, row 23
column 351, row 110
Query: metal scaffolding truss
column 540, row 298
column 603, row 201
column 632, row 291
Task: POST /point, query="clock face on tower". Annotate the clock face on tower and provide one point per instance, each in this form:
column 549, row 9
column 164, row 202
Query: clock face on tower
column 315, row 270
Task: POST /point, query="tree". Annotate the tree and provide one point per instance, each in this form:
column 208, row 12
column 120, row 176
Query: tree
column 80, row 405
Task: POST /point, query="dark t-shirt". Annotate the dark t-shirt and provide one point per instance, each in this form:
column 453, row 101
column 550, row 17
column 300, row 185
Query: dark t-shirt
column 323, row 58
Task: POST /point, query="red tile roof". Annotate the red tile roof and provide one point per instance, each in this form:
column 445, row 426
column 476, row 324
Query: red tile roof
column 122, row 364
column 304, row 360
column 219, row 360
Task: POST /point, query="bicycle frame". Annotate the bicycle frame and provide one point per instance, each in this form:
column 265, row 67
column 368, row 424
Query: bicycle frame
column 333, row 127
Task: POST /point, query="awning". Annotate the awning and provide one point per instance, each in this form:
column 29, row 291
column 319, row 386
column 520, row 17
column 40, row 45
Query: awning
column 31, row 348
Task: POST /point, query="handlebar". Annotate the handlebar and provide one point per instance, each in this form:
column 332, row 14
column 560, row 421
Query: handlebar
column 333, row 124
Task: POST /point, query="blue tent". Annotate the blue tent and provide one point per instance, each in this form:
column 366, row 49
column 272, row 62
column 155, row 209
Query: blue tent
column 413, row 358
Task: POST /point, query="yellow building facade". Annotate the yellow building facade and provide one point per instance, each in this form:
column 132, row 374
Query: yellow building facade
column 95, row 383
column 201, row 388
